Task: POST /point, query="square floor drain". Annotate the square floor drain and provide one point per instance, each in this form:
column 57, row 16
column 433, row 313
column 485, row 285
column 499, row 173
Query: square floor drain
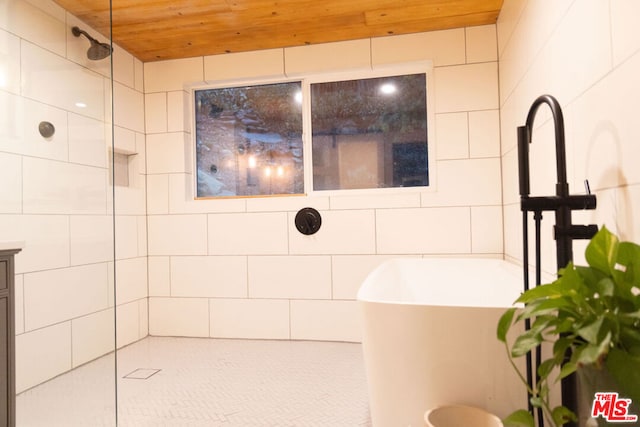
column 142, row 374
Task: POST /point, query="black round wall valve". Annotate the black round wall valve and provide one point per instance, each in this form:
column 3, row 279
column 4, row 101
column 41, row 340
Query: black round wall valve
column 308, row 221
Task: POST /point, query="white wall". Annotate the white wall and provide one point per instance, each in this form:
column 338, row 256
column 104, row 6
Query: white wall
column 238, row 267
column 586, row 53
column 55, row 193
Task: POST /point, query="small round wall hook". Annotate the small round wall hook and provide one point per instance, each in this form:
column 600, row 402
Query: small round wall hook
column 46, row 129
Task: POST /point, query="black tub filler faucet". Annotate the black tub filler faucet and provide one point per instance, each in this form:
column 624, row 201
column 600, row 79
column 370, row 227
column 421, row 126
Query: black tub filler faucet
column 562, row 204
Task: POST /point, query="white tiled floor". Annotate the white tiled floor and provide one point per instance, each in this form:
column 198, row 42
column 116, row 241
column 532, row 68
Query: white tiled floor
column 209, row 382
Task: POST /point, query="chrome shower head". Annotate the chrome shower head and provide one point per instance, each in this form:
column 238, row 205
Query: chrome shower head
column 97, row 50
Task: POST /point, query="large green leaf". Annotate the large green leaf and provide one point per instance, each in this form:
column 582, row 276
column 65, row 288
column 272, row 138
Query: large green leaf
column 591, row 332
column 543, row 306
column 504, row 324
column 629, row 257
column 567, row 369
column 525, row 343
column 560, row 347
column 570, row 280
column 626, row 273
column 566, row 325
column 543, row 291
column 602, row 250
column 541, row 325
column 545, row 368
column 606, row 287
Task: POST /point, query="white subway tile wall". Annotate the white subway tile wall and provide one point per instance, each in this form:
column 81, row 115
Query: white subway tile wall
column 177, row 235
column 10, row 195
column 166, row 153
column 20, row 128
column 128, row 111
column 481, row 44
column 87, row 141
column 93, row 335
column 325, row 320
column 181, row 317
column 205, row 276
column 242, row 65
column 354, row 54
column 155, row 112
column 30, row 369
column 128, row 315
column 56, row 195
column 342, row 232
column 428, row 230
column 159, row 276
column 442, row 47
column 10, row 50
column 46, row 304
column 246, row 233
column 306, row 277
column 467, row 87
column 484, row 134
column 452, row 134
column 77, row 89
column 587, row 55
column 167, row 76
column 262, row 278
column 249, row 318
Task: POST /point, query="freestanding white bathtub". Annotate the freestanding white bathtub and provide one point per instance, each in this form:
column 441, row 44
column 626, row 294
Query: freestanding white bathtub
column 429, row 337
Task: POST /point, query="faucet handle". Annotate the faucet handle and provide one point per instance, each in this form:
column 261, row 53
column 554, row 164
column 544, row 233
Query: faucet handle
column 576, row 231
column 587, row 188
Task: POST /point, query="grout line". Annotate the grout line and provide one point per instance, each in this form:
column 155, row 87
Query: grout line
column 331, row 275
column 471, row 229
column 170, row 284
column 289, row 303
column 466, row 49
column 246, row 263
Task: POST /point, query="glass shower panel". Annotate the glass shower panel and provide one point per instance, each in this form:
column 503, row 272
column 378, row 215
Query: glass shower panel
column 56, row 197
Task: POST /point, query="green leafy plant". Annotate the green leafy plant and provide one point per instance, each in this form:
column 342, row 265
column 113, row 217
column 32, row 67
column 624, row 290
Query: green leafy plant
column 594, row 312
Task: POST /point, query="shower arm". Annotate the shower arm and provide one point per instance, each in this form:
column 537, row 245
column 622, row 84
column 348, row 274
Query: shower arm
column 77, row 31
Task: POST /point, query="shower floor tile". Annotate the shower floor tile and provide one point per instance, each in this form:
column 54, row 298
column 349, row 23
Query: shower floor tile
column 209, row 382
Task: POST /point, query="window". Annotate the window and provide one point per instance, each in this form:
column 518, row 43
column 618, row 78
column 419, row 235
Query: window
column 249, row 140
column 368, row 133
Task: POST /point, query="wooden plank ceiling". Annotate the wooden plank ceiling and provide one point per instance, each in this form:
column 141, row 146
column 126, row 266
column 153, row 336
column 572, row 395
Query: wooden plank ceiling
column 154, row 30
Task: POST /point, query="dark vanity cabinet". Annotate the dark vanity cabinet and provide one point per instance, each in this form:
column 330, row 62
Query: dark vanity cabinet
column 7, row 339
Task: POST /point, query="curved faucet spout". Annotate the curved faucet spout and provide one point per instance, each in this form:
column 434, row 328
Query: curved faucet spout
column 524, row 139
column 562, row 203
